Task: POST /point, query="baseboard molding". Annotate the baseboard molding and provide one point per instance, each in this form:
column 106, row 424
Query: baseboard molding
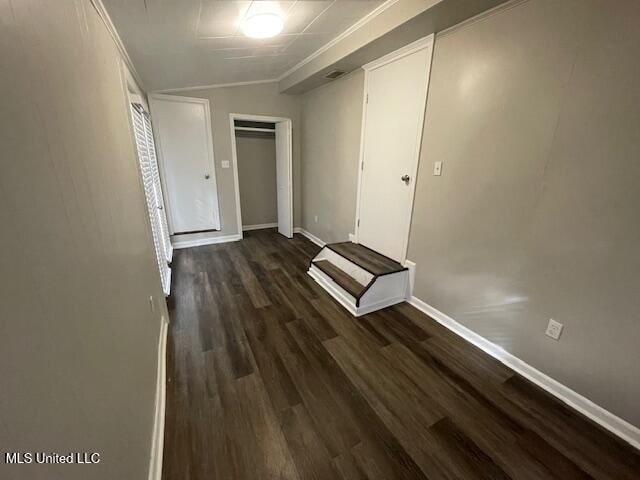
column 178, row 244
column 310, row 236
column 157, row 440
column 602, row 417
column 258, row 226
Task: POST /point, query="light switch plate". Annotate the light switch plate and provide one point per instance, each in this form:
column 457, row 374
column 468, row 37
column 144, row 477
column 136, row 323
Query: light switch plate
column 437, row 168
column 225, row 163
column 554, row 329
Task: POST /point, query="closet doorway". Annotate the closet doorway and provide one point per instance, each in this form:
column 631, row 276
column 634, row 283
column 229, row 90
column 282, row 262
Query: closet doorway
column 261, row 147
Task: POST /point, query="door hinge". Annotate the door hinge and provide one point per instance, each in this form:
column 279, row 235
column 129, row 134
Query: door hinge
column 358, row 222
column 367, row 99
column 362, row 165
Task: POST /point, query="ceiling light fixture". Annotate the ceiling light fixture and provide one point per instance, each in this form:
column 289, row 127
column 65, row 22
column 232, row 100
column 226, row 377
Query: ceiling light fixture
column 262, row 25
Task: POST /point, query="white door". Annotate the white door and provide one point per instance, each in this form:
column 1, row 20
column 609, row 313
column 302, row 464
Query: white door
column 396, row 90
column 283, row 178
column 183, row 128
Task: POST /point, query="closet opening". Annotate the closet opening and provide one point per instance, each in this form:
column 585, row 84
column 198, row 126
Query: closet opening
column 262, row 163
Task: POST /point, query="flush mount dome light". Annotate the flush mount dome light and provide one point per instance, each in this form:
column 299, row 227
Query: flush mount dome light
column 262, row 25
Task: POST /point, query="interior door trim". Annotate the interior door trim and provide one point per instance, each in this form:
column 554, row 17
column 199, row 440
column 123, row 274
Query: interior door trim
column 234, row 155
column 425, row 42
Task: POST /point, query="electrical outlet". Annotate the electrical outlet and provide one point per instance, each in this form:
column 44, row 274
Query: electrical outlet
column 437, row 168
column 225, row 163
column 554, row 329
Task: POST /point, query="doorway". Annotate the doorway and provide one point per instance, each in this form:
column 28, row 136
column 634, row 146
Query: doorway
column 261, row 148
column 393, row 117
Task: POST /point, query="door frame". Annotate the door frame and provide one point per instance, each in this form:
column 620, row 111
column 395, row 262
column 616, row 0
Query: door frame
column 159, row 152
column 425, row 42
column 234, row 156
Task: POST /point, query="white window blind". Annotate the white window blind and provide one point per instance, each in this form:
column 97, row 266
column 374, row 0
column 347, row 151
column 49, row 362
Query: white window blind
column 153, row 193
column 151, row 146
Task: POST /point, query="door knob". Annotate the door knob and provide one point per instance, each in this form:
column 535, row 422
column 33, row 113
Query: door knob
column 206, row 176
column 405, row 179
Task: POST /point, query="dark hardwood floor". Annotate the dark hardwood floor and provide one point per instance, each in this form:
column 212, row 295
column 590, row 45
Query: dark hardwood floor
column 268, row 378
column 371, row 261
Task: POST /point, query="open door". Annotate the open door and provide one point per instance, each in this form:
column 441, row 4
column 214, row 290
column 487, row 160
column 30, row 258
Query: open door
column 284, row 178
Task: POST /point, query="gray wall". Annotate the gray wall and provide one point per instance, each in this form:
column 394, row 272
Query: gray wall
column 257, row 178
column 331, row 124
column 259, row 99
column 78, row 340
column 534, row 112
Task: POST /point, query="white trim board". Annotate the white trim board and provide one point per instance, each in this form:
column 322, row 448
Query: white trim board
column 589, row 409
column 214, row 85
column 157, row 439
column 310, row 236
column 259, row 226
column 197, row 242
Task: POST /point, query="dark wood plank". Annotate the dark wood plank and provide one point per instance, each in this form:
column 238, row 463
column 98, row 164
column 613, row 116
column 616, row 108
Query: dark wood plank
column 341, row 278
column 268, row 377
column 371, row 261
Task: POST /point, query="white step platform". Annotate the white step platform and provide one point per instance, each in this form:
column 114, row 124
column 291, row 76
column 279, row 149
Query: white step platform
column 361, row 280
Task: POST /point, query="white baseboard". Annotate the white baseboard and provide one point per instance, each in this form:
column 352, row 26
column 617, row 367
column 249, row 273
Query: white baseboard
column 178, row 244
column 602, row 417
column 157, row 440
column 310, row 236
column 259, row 226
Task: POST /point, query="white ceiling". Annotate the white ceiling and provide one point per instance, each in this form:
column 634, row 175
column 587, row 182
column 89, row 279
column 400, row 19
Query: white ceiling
column 184, row 43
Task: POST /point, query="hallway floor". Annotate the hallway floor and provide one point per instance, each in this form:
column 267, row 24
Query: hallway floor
column 269, row 378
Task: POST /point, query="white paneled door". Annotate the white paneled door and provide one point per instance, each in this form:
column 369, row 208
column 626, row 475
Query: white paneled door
column 395, row 97
column 185, row 147
column 284, row 178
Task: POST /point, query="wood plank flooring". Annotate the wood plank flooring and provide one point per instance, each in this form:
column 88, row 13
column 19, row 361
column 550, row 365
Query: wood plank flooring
column 341, row 278
column 371, row 261
column 269, row 378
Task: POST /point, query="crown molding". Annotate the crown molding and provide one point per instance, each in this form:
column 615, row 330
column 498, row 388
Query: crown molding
column 360, row 23
column 215, row 85
column 106, row 19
